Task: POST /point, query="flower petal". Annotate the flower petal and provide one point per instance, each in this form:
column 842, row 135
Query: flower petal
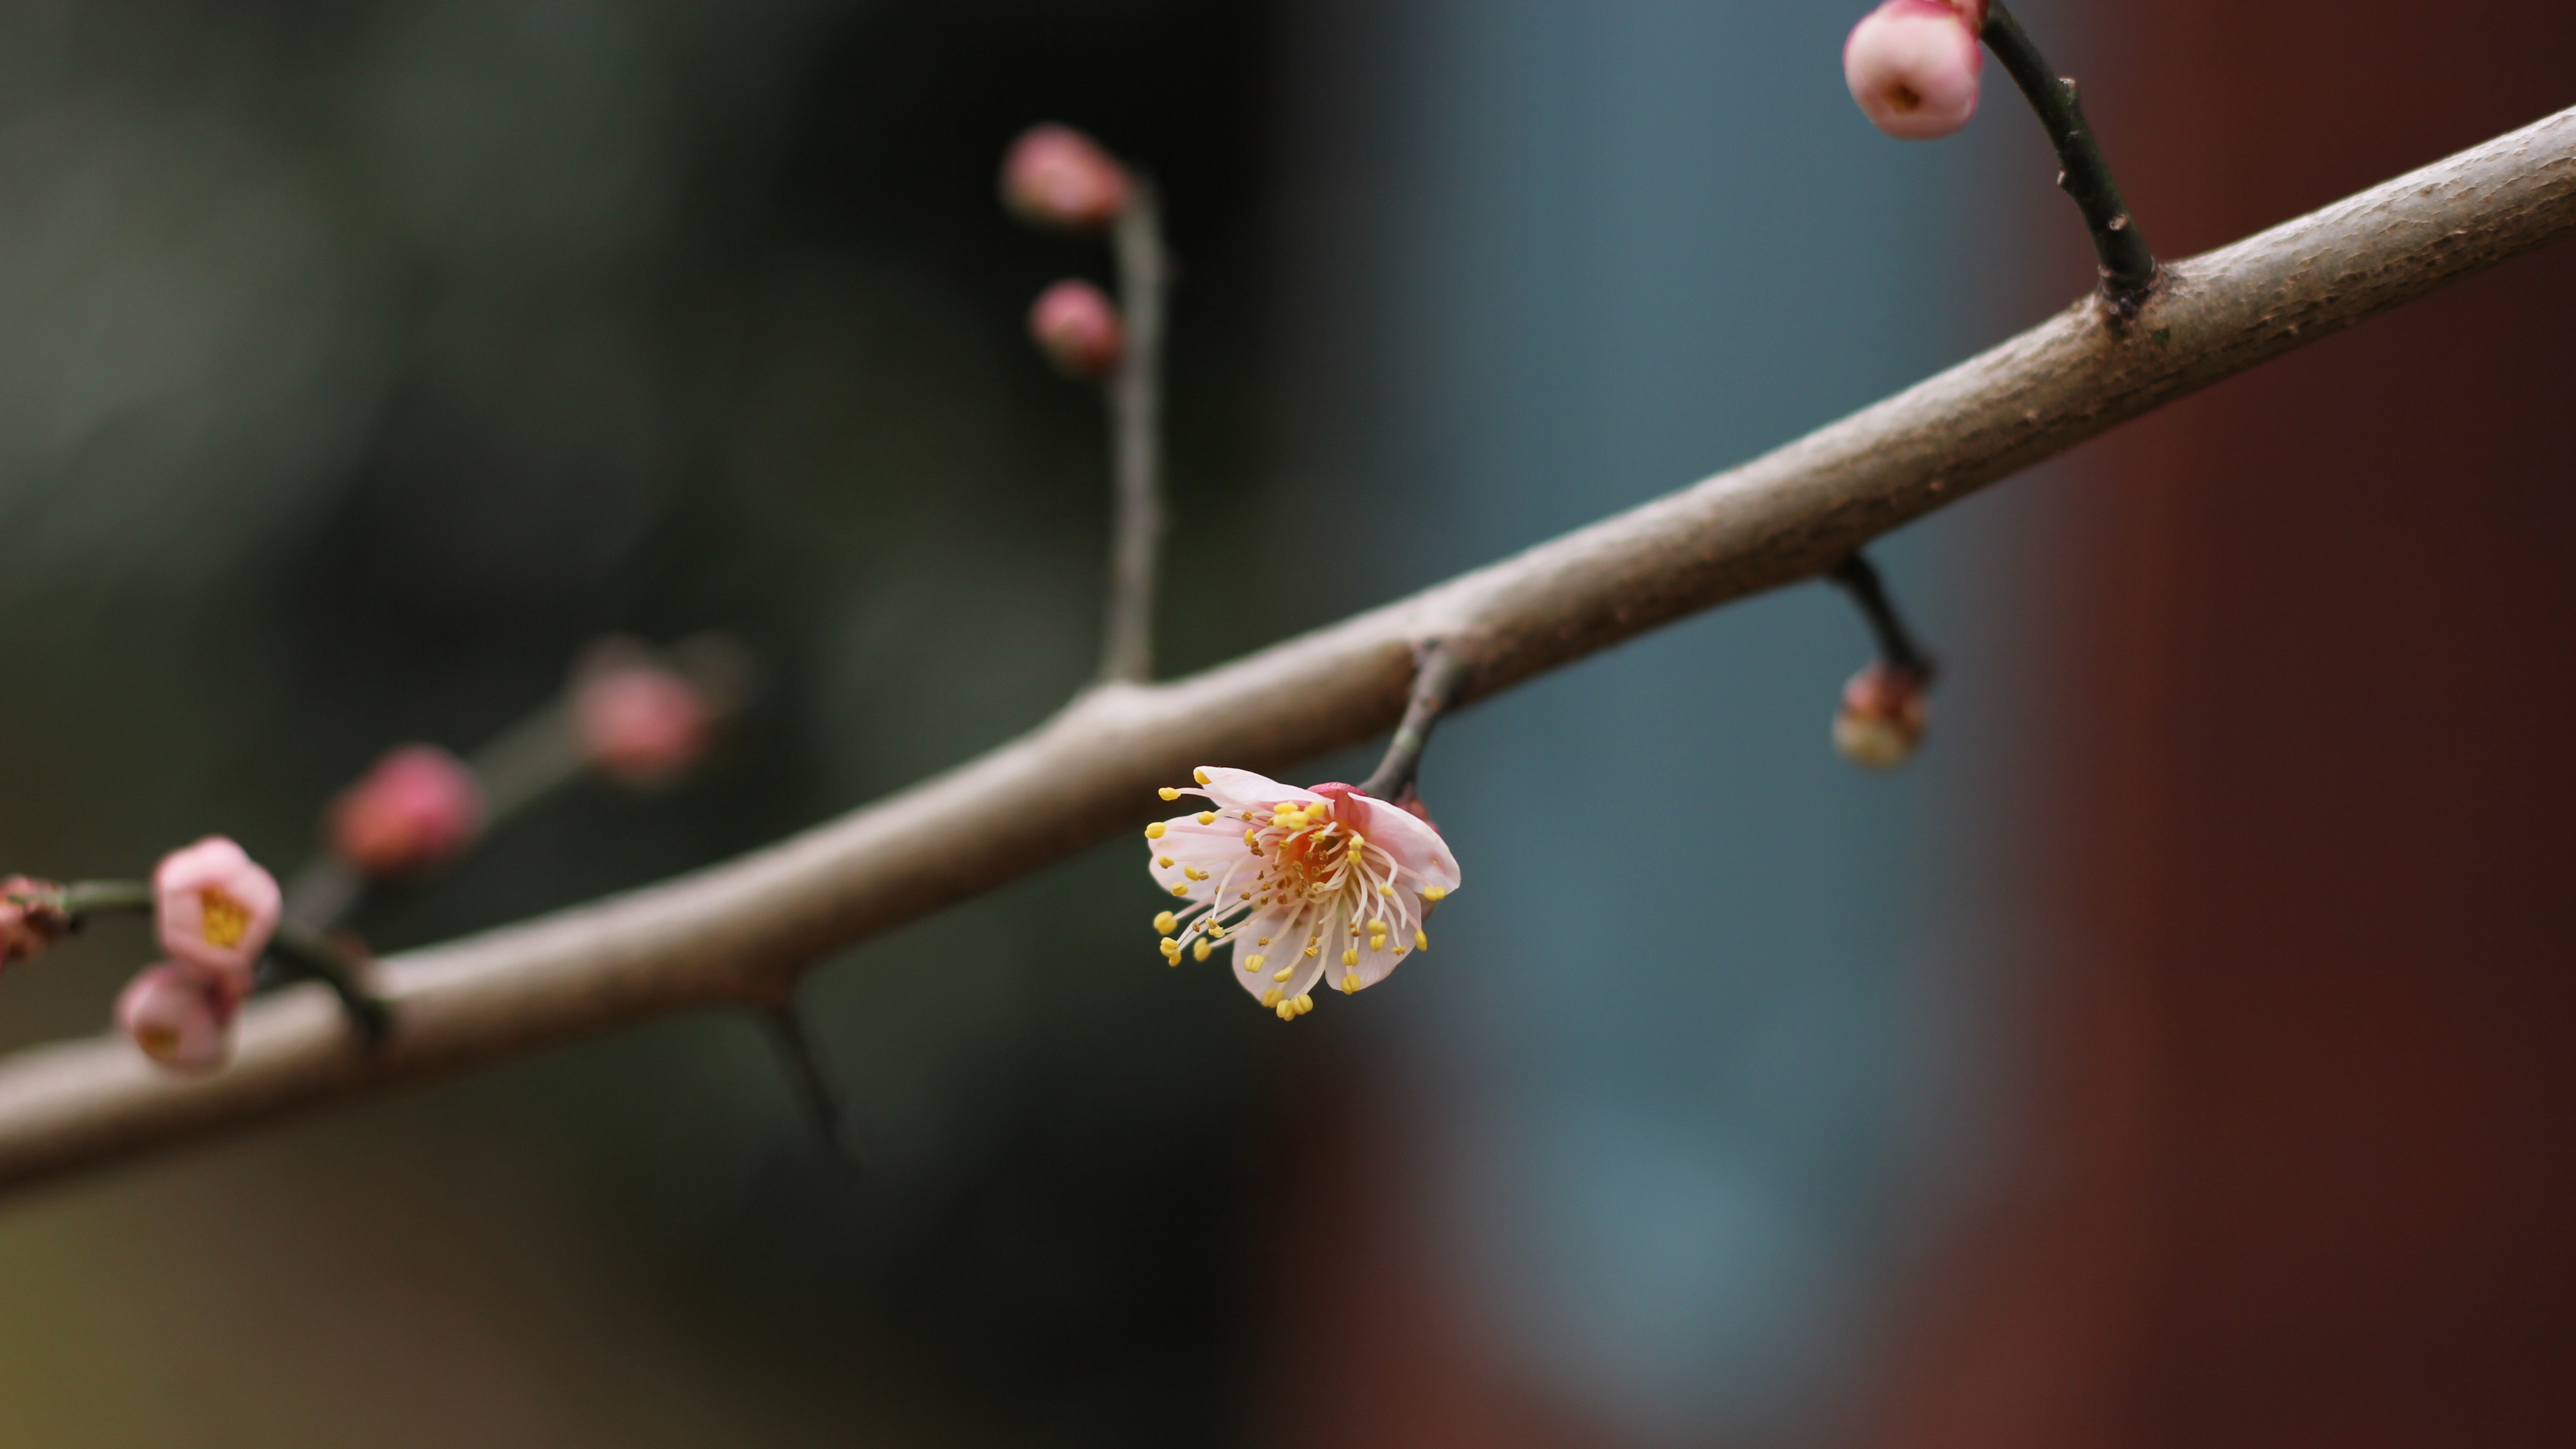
column 1244, row 790
column 1416, row 846
column 1286, row 950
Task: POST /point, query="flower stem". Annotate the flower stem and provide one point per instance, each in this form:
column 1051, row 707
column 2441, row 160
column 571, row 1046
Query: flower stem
column 306, row 952
column 1135, row 395
column 2128, row 267
column 1436, row 682
column 96, row 897
column 818, row 1092
column 1858, row 577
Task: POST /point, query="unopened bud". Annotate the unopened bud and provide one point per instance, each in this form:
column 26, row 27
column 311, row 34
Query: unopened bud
column 1057, row 176
column 215, row 910
column 31, row 917
column 418, row 809
column 1078, row 329
column 179, row 1019
column 1881, row 719
column 1913, row 65
column 638, row 722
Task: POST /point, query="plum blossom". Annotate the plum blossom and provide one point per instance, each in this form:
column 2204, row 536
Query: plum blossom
column 419, row 808
column 1056, row 176
column 216, row 909
column 31, row 917
column 179, row 1019
column 1913, row 65
column 1880, row 722
column 639, row 723
column 1077, row 327
column 1301, row 886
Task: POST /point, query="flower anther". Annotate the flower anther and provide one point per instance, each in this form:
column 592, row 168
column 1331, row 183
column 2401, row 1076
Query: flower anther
column 1914, row 66
column 216, row 910
column 1303, row 886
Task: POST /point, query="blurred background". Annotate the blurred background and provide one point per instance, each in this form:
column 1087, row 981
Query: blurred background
column 2175, row 1053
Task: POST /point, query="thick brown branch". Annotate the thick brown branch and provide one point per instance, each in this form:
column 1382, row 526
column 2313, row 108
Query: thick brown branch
column 743, row 931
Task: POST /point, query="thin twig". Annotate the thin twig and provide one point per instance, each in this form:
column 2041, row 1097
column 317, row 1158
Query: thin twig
column 1858, row 577
column 310, row 954
column 2128, row 267
column 1135, row 395
column 1436, row 683
column 817, row 1088
column 740, row 932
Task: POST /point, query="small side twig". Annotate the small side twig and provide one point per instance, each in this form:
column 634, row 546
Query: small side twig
column 2128, row 266
column 1135, row 396
column 308, row 953
column 818, row 1090
column 1897, row 647
column 1436, row 682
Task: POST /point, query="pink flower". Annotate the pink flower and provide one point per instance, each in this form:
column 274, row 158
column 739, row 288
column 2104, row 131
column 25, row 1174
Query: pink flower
column 418, row 809
column 179, row 1019
column 1913, row 66
column 216, row 910
column 1056, row 176
column 639, row 723
column 1881, row 719
column 1302, row 885
column 1078, row 329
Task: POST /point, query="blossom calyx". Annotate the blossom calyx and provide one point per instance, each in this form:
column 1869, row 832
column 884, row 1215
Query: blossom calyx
column 215, row 910
column 418, row 808
column 1078, row 329
column 1914, row 66
column 1329, row 885
column 180, row 1019
column 1056, row 176
column 637, row 721
column 1880, row 723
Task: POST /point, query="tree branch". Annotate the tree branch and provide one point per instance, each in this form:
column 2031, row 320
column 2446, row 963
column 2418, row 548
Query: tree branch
column 743, row 931
column 1136, row 440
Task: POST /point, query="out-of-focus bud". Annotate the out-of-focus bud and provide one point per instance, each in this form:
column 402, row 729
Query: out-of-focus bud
column 215, row 909
column 179, row 1019
column 418, row 809
column 1078, row 329
column 1056, row 176
column 31, row 917
column 1881, row 719
column 1913, row 65
column 636, row 721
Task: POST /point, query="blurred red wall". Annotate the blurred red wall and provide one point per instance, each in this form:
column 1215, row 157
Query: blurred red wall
column 2303, row 1161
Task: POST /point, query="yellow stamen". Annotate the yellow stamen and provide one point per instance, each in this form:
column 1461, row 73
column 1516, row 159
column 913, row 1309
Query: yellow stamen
column 1284, row 972
column 1166, row 923
column 1270, row 997
column 1171, row 947
column 1199, row 775
column 1305, row 1003
column 1310, row 950
column 1182, row 891
column 1164, row 861
column 1202, row 949
column 1436, row 894
column 1252, row 964
column 1168, row 793
column 224, row 920
column 1350, row 958
column 1287, row 1010
column 1154, row 831
column 1421, row 942
column 1351, row 985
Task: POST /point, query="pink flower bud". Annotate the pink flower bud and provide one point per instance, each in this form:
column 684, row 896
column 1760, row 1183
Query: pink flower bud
column 216, row 910
column 31, row 917
column 1057, row 176
column 1913, row 66
column 637, row 722
column 1881, row 719
column 180, row 1020
column 1078, row 329
column 418, row 809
